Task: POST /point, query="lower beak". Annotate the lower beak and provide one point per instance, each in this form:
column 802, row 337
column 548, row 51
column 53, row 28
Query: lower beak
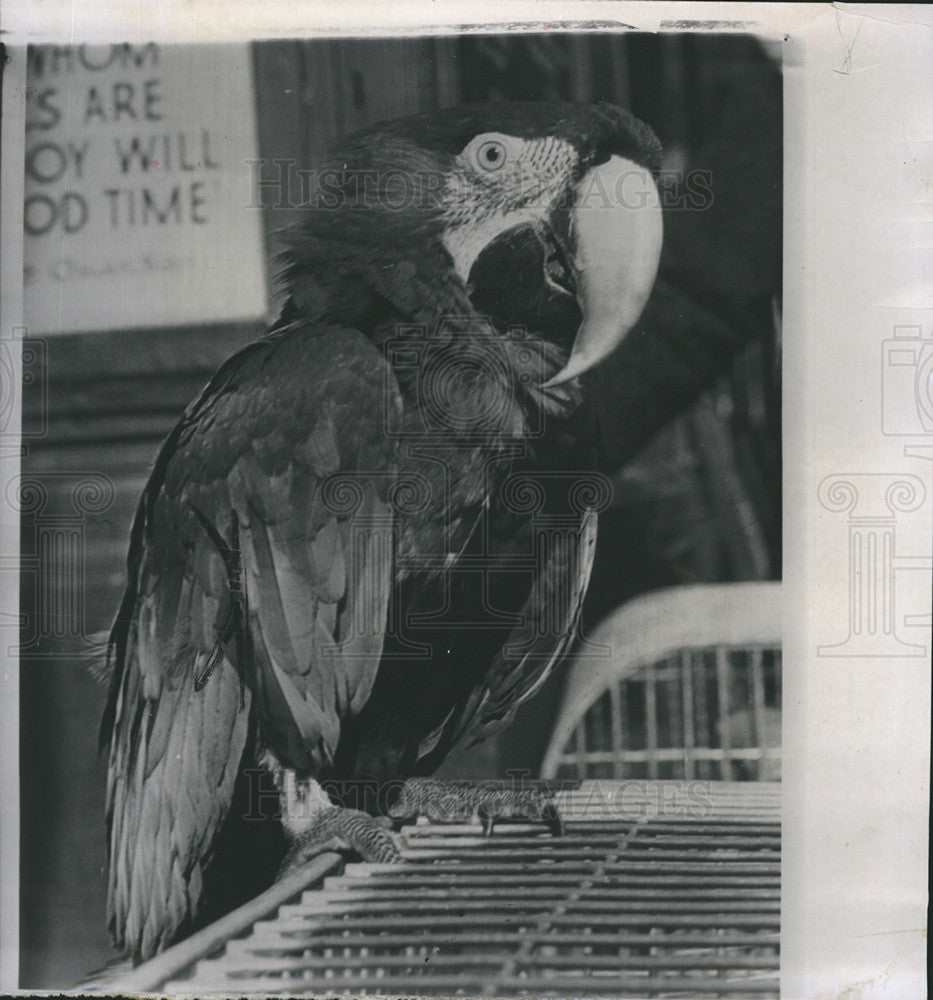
column 616, row 229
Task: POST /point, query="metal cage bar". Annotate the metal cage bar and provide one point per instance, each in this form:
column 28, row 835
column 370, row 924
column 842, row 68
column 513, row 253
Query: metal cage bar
column 657, row 888
column 715, row 652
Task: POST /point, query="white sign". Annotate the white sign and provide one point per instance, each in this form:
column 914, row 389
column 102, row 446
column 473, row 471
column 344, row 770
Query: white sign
column 137, row 187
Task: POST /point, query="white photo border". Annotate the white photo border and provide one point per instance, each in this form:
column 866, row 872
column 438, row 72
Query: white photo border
column 857, row 275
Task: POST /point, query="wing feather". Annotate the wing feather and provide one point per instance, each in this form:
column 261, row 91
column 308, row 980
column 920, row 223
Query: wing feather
column 521, row 666
column 233, row 513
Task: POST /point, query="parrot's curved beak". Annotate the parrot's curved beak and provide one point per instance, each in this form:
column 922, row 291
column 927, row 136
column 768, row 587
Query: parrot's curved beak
column 616, row 232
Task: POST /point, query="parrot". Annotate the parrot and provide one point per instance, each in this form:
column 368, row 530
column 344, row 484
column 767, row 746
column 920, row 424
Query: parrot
column 366, row 542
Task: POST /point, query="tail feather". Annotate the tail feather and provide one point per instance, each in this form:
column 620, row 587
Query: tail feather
column 95, row 659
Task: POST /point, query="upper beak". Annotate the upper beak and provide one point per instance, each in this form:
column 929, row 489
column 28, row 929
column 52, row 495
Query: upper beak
column 616, row 229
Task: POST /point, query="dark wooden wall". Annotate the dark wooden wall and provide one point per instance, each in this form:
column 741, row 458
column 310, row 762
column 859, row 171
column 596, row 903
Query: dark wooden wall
column 96, row 413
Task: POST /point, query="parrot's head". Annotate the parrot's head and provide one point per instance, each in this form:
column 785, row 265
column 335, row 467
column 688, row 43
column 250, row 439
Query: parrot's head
column 543, row 215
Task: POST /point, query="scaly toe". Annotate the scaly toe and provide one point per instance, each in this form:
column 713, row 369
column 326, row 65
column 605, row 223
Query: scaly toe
column 348, row 830
column 489, row 801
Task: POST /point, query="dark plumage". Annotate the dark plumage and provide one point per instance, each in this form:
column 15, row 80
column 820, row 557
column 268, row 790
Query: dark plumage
column 368, row 539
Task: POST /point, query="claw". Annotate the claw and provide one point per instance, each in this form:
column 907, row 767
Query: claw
column 488, row 820
column 553, row 819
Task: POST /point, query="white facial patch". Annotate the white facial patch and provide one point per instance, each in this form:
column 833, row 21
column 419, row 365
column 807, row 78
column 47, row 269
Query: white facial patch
column 484, row 203
column 467, row 241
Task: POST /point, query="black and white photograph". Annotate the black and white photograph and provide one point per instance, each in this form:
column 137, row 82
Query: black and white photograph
column 406, row 432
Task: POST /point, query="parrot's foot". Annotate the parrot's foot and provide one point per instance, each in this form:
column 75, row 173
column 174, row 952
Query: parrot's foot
column 314, row 825
column 488, row 801
column 336, row 829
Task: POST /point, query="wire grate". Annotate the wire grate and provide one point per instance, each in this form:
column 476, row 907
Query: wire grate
column 708, row 713
column 657, row 889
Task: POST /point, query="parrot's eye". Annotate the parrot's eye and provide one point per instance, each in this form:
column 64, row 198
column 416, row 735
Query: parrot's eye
column 489, row 153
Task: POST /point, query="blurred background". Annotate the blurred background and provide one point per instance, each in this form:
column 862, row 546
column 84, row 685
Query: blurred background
column 692, row 418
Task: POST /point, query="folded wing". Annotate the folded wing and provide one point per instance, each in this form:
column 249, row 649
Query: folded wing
column 259, row 574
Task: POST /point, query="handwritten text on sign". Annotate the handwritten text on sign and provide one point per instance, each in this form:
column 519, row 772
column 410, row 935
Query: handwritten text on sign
column 137, row 187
